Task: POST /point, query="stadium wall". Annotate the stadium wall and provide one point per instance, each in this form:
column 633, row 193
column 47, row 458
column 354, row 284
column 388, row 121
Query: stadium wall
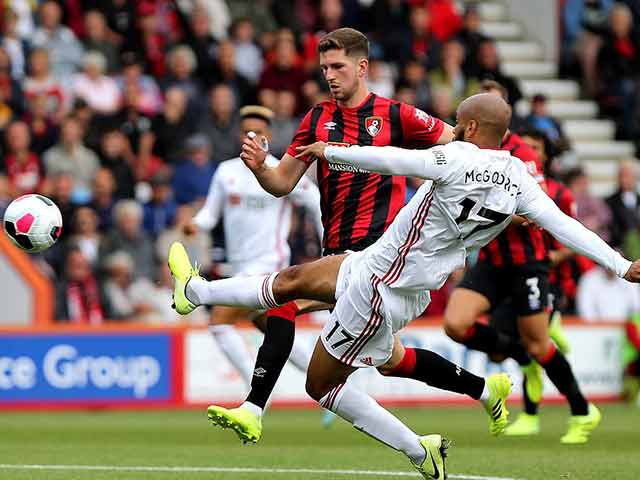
column 120, row 367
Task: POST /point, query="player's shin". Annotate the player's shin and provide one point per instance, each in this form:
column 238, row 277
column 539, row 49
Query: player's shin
column 366, row 415
column 274, row 352
column 250, row 292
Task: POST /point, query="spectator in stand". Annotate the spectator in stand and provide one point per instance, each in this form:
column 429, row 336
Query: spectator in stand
column 116, row 156
column 70, row 155
column 130, row 299
column 62, row 187
column 23, row 168
column 94, row 87
column 414, row 76
column 470, row 37
column 221, row 123
column 128, row 235
column 602, row 295
column 14, row 44
column 172, row 127
column 282, row 75
column 121, row 17
column 191, row 178
column 227, row 73
column 258, row 10
column 40, row 81
column 618, row 65
column 149, row 97
column 418, row 42
column 11, row 98
column 91, row 123
column 44, row 132
column 103, row 198
column 160, row 211
column 24, row 11
column 198, row 245
column 624, row 204
column 594, row 23
column 443, row 106
column 98, row 40
column 197, row 34
column 65, row 51
column 248, row 56
column 451, row 75
column 540, row 119
column 80, row 299
column 84, row 234
column 590, row 210
column 181, row 64
column 489, row 69
column 380, row 78
column 406, row 94
column 152, row 43
column 284, row 124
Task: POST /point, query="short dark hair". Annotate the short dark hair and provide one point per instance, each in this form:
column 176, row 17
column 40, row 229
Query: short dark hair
column 353, row 42
column 488, row 85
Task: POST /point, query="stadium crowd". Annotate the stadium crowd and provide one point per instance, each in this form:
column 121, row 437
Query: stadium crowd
column 121, row 111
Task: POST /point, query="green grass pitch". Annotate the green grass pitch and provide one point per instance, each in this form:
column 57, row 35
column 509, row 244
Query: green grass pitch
column 293, row 439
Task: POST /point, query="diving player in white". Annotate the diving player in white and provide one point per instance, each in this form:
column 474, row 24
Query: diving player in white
column 474, row 192
column 256, row 227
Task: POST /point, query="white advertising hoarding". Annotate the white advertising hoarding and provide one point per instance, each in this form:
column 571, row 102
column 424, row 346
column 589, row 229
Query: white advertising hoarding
column 595, row 357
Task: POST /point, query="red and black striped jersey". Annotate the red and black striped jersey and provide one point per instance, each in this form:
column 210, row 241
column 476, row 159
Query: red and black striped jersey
column 357, row 206
column 518, row 245
column 566, row 274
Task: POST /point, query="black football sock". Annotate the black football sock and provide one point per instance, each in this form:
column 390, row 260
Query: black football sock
column 273, row 353
column 529, row 406
column 485, row 338
column 429, row 367
column 560, row 373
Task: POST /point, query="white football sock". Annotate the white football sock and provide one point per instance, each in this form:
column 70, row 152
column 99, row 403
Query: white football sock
column 234, row 348
column 300, row 355
column 252, row 407
column 251, row 292
column 484, row 396
column 366, row 415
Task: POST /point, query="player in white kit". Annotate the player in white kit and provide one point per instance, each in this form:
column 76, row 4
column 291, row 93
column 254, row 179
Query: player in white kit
column 256, row 227
column 475, row 190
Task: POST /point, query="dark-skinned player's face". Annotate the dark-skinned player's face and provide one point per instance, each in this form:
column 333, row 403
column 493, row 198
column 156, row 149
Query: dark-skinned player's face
column 343, row 73
column 460, row 127
column 257, row 125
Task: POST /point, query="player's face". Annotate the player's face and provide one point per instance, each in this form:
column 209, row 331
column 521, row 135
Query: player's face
column 344, row 74
column 260, row 127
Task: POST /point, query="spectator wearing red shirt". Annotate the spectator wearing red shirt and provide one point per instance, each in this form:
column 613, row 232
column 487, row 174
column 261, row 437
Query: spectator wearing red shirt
column 41, row 82
column 618, row 65
column 282, row 75
column 24, row 170
column 419, row 42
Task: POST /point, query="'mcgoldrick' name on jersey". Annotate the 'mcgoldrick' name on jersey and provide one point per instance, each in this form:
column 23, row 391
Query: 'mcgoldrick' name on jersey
column 488, row 176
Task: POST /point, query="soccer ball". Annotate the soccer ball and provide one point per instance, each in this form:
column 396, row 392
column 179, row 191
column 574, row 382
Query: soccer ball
column 33, row 222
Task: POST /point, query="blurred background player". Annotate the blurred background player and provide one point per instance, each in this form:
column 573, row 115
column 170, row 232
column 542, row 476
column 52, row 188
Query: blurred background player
column 256, row 227
column 357, row 206
column 515, row 266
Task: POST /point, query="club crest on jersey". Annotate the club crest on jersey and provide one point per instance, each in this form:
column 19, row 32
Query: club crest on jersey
column 373, row 125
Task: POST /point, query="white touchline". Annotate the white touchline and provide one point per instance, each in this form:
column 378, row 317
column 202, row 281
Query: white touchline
column 181, row 469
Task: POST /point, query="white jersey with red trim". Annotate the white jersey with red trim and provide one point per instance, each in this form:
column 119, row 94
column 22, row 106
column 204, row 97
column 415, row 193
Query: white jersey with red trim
column 256, row 224
column 470, row 198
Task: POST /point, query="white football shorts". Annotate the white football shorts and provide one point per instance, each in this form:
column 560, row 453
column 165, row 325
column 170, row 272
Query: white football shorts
column 367, row 313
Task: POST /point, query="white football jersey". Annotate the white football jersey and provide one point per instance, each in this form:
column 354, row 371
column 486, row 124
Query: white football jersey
column 470, row 198
column 256, row 224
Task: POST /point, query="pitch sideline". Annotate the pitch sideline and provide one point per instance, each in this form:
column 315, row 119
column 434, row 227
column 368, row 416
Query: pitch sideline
column 181, row 469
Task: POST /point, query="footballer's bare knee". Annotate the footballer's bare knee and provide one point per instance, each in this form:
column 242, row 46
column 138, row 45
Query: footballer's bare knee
column 397, row 355
column 463, row 309
column 318, row 387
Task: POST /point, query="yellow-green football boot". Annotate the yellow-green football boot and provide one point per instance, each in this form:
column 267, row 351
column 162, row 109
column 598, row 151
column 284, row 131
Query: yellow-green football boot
column 535, row 381
column 246, row 424
column 182, row 272
column 524, row 425
column 499, row 386
column 433, row 467
column 581, row 426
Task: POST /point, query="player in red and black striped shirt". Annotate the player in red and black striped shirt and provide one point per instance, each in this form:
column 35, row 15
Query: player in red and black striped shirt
column 514, row 268
column 357, row 206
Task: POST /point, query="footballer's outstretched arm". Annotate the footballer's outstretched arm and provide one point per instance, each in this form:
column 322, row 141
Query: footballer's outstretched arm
column 537, row 206
column 385, row 160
